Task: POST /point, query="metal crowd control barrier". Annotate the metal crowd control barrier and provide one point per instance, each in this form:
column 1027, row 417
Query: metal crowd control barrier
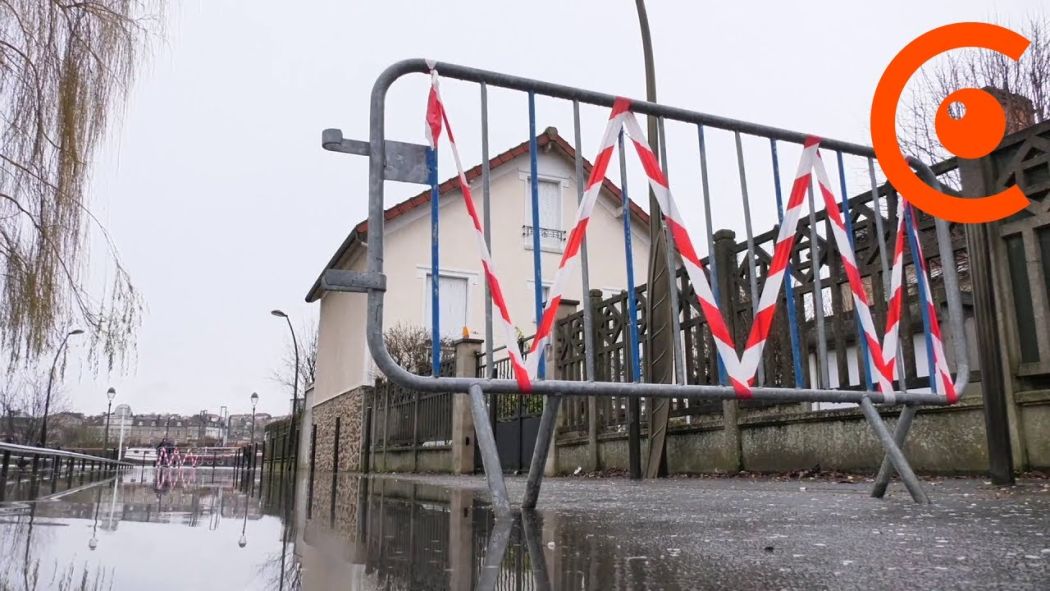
column 391, row 160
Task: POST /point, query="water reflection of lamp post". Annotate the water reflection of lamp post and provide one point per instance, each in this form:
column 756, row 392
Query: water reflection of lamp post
column 93, row 542
column 244, row 526
column 110, row 395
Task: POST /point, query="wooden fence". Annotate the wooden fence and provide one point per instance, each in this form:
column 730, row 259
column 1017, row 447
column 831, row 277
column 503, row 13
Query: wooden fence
column 830, row 362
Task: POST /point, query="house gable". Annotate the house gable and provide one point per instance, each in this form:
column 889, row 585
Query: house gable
column 548, row 142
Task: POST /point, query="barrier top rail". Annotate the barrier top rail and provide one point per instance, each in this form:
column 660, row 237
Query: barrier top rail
column 390, row 160
column 29, row 450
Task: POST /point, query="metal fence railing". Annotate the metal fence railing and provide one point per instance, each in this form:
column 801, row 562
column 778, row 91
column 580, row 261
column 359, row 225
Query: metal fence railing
column 734, row 272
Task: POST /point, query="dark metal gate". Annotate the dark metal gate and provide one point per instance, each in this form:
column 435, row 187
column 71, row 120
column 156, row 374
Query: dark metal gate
column 515, row 419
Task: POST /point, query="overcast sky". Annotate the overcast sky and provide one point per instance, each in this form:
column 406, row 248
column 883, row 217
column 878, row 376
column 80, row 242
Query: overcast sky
column 224, row 206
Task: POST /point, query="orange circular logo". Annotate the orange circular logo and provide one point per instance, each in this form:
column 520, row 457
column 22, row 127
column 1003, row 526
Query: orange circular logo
column 974, row 135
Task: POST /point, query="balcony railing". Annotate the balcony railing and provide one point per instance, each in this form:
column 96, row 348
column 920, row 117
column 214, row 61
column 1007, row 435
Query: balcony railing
column 549, row 238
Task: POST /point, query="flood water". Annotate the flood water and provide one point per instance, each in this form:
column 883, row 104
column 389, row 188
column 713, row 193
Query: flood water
column 187, row 529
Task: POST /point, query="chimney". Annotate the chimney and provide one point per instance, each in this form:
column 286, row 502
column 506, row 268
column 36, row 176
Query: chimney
column 1020, row 112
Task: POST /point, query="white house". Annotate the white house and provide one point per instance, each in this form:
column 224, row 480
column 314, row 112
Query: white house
column 343, row 360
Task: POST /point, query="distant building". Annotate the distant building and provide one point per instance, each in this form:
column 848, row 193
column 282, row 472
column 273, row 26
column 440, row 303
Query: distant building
column 202, row 429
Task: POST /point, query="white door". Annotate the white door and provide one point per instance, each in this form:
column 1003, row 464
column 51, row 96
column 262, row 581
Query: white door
column 453, row 306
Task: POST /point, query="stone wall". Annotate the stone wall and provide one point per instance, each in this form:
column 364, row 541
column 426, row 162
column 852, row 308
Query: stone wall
column 943, row 440
column 347, row 407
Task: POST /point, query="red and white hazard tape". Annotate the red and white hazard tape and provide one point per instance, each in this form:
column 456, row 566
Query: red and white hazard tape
column 940, row 374
column 436, row 117
column 740, row 370
column 571, row 255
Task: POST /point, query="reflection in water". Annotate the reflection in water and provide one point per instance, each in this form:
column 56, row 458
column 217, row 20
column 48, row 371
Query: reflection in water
column 156, row 529
column 385, row 533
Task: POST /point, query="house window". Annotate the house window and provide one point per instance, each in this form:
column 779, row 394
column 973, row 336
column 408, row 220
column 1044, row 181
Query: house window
column 531, row 286
column 552, row 235
column 453, row 305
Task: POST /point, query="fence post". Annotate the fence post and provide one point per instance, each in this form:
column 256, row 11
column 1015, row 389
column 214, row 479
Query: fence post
column 980, row 245
column 552, row 404
column 592, row 401
column 467, row 356
column 725, row 263
column 415, row 431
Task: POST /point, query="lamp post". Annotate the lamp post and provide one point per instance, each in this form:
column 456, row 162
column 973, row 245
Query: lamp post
column 255, row 401
column 295, row 388
column 50, row 381
column 123, row 422
column 110, row 395
column 224, row 424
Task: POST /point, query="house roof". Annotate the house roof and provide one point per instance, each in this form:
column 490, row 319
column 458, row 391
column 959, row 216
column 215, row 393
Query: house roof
column 548, row 138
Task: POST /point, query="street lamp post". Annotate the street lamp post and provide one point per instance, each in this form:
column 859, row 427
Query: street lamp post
column 224, row 424
column 255, row 401
column 110, row 395
column 295, row 389
column 50, row 382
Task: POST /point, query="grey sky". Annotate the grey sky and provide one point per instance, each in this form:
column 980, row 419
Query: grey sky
column 223, row 205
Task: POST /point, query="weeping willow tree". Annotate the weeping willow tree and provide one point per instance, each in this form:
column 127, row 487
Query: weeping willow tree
column 65, row 70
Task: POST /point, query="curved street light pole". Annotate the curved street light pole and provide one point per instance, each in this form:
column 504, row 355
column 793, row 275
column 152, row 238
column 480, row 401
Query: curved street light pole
column 661, row 338
column 50, row 382
column 288, row 446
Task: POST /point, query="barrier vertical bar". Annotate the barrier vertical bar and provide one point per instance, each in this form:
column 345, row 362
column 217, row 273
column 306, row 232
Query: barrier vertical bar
column 751, row 267
column 712, row 266
column 865, row 360
column 884, row 262
column 818, row 295
column 486, row 215
column 672, row 268
column 911, row 228
column 632, row 298
column 435, row 273
column 789, row 289
column 588, row 314
column 534, row 188
column 634, row 449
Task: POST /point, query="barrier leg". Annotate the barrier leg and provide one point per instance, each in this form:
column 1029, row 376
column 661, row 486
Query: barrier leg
column 539, row 453
column 899, row 435
column 894, row 452
column 496, row 549
column 489, row 456
column 531, row 531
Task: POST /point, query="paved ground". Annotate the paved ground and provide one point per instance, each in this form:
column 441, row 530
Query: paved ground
column 762, row 533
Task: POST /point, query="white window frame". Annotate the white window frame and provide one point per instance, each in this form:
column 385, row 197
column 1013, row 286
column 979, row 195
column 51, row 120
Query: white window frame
column 422, row 271
column 526, row 205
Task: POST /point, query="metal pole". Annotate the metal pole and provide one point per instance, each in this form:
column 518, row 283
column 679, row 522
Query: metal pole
column 544, row 435
column 120, row 443
column 662, row 337
column 911, row 482
column 751, row 267
column 534, row 189
column 486, row 196
column 789, row 290
column 900, row 433
column 50, row 381
column 435, row 262
column 489, row 455
column 634, row 443
column 105, row 436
